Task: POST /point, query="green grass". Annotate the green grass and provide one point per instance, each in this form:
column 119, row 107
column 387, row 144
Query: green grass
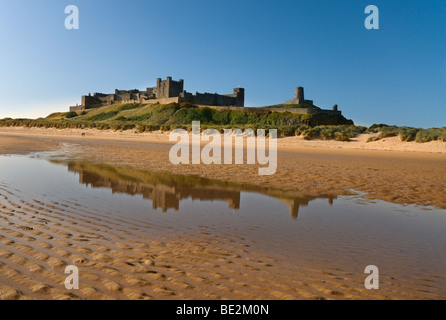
column 55, row 116
column 149, row 117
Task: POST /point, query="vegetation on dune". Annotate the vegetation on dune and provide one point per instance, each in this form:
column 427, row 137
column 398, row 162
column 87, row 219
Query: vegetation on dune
column 407, row 134
column 426, row 135
column 340, row 132
column 372, row 139
column 70, row 115
column 153, row 117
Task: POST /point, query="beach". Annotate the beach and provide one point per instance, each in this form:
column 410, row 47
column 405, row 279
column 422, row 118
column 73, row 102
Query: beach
column 131, row 258
column 390, row 170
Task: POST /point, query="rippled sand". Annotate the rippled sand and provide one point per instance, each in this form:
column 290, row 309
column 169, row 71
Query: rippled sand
column 117, row 260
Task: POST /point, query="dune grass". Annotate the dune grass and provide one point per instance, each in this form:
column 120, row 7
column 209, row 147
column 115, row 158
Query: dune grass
column 339, row 132
column 407, row 134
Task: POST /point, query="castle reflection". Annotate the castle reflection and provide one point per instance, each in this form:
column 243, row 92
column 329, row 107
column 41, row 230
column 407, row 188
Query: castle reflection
column 166, row 190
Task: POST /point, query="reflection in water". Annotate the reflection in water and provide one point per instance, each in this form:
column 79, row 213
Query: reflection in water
column 208, row 241
column 166, row 190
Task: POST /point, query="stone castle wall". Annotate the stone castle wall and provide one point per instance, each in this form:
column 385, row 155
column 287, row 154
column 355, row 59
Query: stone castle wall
column 142, row 101
column 213, row 99
column 162, row 100
column 280, row 110
column 77, row 108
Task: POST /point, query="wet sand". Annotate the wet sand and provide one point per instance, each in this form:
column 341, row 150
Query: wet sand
column 18, row 145
column 119, row 260
column 403, row 176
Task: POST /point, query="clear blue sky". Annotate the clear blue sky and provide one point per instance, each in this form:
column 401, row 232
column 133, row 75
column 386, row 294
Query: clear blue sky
column 395, row 75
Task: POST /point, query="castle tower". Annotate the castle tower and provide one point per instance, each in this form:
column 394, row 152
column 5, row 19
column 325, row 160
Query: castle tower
column 239, row 94
column 299, row 95
column 299, row 98
column 168, row 88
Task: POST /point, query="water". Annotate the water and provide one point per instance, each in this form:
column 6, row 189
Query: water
column 342, row 232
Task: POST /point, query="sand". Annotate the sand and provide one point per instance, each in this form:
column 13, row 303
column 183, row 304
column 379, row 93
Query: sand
column 411, row 173
column 15, row 145
column 292, row 144
column 120, row 261
column 117, row 260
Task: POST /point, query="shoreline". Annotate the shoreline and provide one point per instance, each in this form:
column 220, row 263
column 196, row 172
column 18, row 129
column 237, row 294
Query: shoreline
column 403, row 177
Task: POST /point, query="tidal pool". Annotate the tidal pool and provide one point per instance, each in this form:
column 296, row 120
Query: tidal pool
column 340, row 233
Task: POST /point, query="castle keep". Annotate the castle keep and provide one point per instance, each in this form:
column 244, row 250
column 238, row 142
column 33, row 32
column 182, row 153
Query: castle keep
column 166, row 91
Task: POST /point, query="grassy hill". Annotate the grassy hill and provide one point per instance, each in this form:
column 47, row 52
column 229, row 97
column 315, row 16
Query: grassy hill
column 149, row 117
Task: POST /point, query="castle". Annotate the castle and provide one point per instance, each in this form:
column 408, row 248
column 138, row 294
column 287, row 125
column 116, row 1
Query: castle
column 166, row 91
column 171, row 91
